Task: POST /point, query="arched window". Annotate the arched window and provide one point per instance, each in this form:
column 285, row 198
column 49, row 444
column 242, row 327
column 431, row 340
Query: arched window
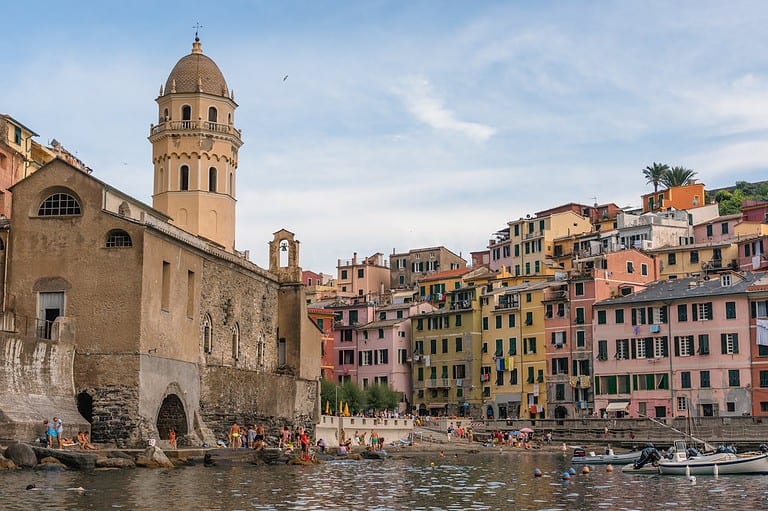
column 186, row 113
column 59, row 204
column 118, row 238
column 231, row 184
column 236, row 342
column 207, row 334
column 184, row 178
column 229, row 118
column 165, row 115
column 212, row 179
column 213, row 115
column 161, row 177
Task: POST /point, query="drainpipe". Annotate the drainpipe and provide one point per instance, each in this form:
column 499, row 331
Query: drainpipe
column 670, row 352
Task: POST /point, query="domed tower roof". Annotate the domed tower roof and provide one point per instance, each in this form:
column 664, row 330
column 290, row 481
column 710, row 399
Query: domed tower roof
column 196, row 73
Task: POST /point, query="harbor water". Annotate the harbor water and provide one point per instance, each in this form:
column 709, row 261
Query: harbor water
column 486, row 481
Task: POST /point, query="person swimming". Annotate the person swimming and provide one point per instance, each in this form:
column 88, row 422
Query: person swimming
column 32, row 487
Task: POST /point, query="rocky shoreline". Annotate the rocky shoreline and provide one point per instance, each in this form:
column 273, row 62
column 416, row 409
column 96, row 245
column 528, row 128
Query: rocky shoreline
column 26, row 456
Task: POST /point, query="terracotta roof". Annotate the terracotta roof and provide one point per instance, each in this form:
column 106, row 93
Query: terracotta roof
column 196, row 73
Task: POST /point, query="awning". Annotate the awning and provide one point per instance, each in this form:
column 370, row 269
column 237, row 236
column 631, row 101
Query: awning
column 617, row 406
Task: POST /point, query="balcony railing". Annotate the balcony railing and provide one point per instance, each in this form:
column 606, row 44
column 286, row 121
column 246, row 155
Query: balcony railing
column 507, row 304
column 439, row 383
column 215, row 127
column 461, row 305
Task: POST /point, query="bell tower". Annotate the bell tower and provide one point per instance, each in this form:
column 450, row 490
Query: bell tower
column 194, row 150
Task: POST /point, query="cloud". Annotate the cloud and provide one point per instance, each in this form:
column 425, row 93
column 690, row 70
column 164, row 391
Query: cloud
column 422, row 102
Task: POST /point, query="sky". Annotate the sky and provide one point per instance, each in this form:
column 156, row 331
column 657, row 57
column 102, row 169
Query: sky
column 407, row 124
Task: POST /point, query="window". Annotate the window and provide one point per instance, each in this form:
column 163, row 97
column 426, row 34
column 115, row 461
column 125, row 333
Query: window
column 704, row 344
column 733, row 378
column 530, row 378
column 512, row 346
column 186, row 114
column 671, row 259
column 213, row 115
column 17, row 135
column 513, row 377
column 458, row 320
column 694, row 256
column 344, row 275
column 579, row 289
column 581, row 338
column 529, row 345
column 619, row 316
column 643, row 269
column 118, row 238
column 511, row 320
column 558, row 339
column 433, row 346
column 579, row 315
column 682, row 403
column 622, row 349
column 360, row 273
column 602, row 350
column 684, row 346
column 184, row 178
column 730, row 310
column 682, row 312
column 499, row 347
column 59, row 204
column 724, row 228
column 764, row 379
column 236, row 342
column 190, row 293
column 212, row 179
column 601, row 319
column 529, row 318
column 685, row 379
column 498, row 321
column 207, row 335
column 165, row 297
column 704, row 379
column 445, row 345
column 630, row 267
column 709, row 230
column 381, row 333
column 702, row 311
column 459, row 346
column 485, row 323
column 730, row 344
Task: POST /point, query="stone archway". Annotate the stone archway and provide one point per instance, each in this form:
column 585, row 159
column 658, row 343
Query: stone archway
column 85, row 406
column 172, row 415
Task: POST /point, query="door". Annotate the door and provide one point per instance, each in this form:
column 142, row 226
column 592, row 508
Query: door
column 51, row 307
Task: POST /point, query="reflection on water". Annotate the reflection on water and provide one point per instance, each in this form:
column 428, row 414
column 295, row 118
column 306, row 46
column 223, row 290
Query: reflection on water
column 473, row 482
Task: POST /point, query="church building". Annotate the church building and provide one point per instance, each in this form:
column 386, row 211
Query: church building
column 150, row 310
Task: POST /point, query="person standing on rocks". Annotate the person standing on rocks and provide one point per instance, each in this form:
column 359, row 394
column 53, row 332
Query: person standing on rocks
column 50, row 433
column 234, row 436
column 59, row 425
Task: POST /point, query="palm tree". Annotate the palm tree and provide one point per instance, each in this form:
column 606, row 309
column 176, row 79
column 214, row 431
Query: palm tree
column 654, row 174
column 678, row 176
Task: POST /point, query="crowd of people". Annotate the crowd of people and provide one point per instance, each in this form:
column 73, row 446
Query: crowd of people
column 459, row 432
column 55, row 439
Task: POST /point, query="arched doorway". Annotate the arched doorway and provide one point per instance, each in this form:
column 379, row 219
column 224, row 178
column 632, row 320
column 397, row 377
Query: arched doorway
column 172, row 415
column 85, row 406
column 560, row 413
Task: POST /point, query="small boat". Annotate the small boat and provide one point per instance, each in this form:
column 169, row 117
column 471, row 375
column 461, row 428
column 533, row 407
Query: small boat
column 713, row 464
column 582, row 457
column 719, row 463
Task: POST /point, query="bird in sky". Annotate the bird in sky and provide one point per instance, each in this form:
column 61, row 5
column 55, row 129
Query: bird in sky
column 285, row 77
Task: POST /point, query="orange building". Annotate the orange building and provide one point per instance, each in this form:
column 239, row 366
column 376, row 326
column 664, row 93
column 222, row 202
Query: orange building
column 678, row 197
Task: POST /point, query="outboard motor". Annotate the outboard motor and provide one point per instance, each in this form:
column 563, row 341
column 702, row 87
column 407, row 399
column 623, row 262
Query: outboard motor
column 692, row 452
column 726, row 449
column 763, row 448
column 647, row 455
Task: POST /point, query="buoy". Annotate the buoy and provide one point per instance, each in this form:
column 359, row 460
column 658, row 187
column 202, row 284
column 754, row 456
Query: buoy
column 609, row 468
column 432, row 464
column 571, row 470
column 537, row 472
column 688, row 471
column 717, row 470
column 566, row 476
column 585, row 470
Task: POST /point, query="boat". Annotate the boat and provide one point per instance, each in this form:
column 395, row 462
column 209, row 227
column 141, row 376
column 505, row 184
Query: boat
column 582, row 457
column 719, row 463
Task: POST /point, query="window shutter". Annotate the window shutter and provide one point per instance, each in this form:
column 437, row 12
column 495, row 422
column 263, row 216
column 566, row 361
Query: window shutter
column 634, row 381
column 724, row 343
column 677, row 346
column 708, row 310
column 694, row 312
column 665, row 347
column 735, row 343
column 649, row 353
column 634, row 316
column 634, row 348
column 663, row 314
column 754, row 309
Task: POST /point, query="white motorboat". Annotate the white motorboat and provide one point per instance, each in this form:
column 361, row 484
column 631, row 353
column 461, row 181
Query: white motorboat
column 722, row 463
column 582, row 457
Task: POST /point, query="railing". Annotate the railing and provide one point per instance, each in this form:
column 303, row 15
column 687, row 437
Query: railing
column 45, row 329
column 439, row 383
column 508, row 304
column 461, row 305
column 555, row 295
column 195, row 125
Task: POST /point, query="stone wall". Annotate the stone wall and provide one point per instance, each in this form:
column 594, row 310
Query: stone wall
column 36, row 378
column 268, row 399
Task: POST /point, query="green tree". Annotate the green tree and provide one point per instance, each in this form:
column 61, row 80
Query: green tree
column 328, row 394
column 729, row 202
column 677, row 176
column 352, row 394
column 654, row 173
column 381, row 397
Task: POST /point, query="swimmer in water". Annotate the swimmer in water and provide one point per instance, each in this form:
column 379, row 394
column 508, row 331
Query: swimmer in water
column 32, row 487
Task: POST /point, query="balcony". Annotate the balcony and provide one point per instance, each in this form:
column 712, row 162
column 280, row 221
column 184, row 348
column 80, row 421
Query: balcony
column 439, row 383
column 506, row 304
column 461, row 305
column 550, row 295
column 213, row 127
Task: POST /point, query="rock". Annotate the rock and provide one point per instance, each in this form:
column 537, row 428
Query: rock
column 72, row 459
column 6, row 464
column 51, row 464
column 153, row 457
column 117, row 462
column 119, row 454
column 21, row 455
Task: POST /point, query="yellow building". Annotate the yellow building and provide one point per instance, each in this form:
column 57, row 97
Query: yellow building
column 434, row 288
column 532, row 241
column 513, row 363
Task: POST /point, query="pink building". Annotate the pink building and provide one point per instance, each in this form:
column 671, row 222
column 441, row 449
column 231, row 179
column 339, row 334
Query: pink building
column 347, row 318
column 568, row 320
column 678, row 348
column 384, row 348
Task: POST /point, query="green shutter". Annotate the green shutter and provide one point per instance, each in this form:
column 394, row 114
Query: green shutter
column 735, row 343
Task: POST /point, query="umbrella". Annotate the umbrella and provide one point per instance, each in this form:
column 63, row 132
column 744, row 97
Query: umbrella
column 346, row 409
column 327, row 407
column 526, row 430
